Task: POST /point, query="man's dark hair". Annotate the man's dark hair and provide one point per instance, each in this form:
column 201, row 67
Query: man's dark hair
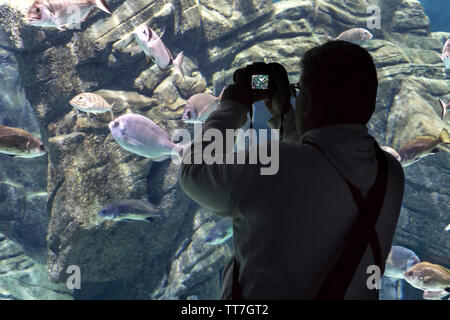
column 341, row 80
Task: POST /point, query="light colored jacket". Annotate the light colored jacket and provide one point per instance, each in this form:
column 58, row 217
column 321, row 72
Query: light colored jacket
column 289, row 228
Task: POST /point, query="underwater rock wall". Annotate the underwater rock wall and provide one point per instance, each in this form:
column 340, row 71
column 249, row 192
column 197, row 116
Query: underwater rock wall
column 167, row 259
column 22, row 278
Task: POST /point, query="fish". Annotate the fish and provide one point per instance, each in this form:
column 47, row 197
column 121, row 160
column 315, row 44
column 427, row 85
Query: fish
column 142, row 210
column 221, row 232
column 422, row 146
column 392, row 151
column 399, row 260
column 20, row 143
column 446, row 54
column 445, row 108
column 156, row 50
column 355, row 35
column 140, row 135
column 91, row 103
column 61, row 14
column 447, row 228
column 198, row 107
column 429, row 278
column 435, row 295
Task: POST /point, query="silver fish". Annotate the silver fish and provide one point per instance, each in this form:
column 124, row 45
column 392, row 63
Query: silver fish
column 142, row 136
column 399, row 260
column 446, row 54
column 422, row 146
column 221, row 232
column 355, row 35
column 199, row 107
column 61, row 14
column 392, row 151
column 444, row 107
column 20, row 143
column 156, row 50
column 91, row 103
column 447, row 228
column 130, row 210
column 429, row 277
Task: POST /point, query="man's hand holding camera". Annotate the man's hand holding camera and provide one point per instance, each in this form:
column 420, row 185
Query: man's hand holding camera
column 276, row 95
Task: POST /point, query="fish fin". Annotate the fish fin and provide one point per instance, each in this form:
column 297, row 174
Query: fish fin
column 63, row 27
column 149, row 219
column 101, row 4
column 132, row 141
column 149, row 60
column 162, row 33
column 444, row 109
column 330, row 38
column 111, row 112
column 445, row 136
column 86, row 16
column 221, row 93
column 178, row 62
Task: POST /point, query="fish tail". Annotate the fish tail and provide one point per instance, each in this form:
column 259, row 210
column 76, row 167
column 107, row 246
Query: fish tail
column 445, row 136
column 444, row 109
column 111, row 111
column 101, row 4
column 178, row 62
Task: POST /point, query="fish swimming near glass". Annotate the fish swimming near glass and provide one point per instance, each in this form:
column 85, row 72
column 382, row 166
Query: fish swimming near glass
column 399, row 260
column 421, row 147
column 444, row 107
column 20, row 143
column 221, row 232
column 140, row 210
column 156, row 50
column 355, row 35
column 61, row 14
column 198, row 107
column 142, row 136
column 91, row 103
column 429, row 278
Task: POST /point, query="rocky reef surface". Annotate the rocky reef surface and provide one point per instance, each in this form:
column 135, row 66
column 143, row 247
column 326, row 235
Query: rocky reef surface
column 86, row 168
column 22, row 278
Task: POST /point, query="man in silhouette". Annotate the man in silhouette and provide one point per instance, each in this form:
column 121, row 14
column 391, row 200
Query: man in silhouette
column 312, row 230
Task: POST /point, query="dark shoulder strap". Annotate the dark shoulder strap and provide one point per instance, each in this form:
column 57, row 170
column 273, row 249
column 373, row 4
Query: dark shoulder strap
column 338, row 280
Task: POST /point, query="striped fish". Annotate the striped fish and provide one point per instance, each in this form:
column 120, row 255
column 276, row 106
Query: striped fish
column 61, row 14
column 91, row 103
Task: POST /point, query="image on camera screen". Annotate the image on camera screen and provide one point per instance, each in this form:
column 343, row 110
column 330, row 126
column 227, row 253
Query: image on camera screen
column 260, row 81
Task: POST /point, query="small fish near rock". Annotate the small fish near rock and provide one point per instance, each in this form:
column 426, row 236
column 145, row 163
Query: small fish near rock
column 221, row 232
column 20, row 143
column 63, row 14
column 431, row 278
column 140, row 135
column 198, row 107
column 140, row 210
column 156, row 50
column 91, row 103
column 355, row 35
column 422, row 146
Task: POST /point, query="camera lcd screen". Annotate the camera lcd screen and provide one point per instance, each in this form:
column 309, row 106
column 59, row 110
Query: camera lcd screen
column 260, row 82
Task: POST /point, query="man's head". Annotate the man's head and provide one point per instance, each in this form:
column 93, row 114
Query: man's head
column 338, row 85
